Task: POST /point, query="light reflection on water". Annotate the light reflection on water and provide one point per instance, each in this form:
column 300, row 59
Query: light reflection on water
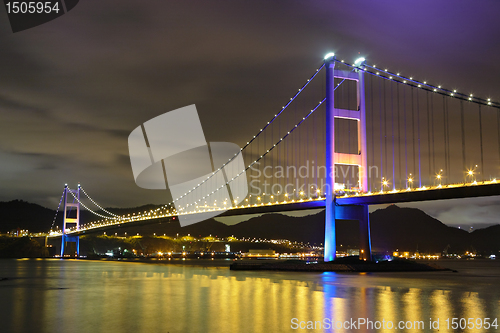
column 92, row 296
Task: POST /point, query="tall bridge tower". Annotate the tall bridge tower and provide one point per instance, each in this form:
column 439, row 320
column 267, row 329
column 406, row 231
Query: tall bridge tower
column 334, row 211
column 70, row 218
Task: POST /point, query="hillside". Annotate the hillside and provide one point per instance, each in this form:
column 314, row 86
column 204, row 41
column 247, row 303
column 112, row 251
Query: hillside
column 406, row 229
column 24, row 215
column 411, row 229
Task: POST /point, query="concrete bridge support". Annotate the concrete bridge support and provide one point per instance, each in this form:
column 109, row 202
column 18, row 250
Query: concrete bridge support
column 71, row 219
column 334, row 212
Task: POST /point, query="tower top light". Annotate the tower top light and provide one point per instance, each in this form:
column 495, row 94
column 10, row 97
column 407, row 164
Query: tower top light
column 329, row 55
column 359, row 61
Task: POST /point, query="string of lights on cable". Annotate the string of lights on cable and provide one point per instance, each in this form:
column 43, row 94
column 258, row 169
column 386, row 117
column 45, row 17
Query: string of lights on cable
column 57, row 211
column 410, row 81
column 283, row 108
column 265, row 153
column 90, row 210
column 97, row 205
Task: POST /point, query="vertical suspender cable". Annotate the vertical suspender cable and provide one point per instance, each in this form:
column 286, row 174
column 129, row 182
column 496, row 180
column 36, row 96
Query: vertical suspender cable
column 259, row 138
column 338, row 129
column 448, row 150
column 432, row 134
column 294, row 151
column 345, row 129
column 406, row 142
column 299, row 153
column 305, row 157
column 323, row 132
column 399, row 139
column 462, row 124
column 385, row 131
column 413, row 132
column 278, row 163
column 286, row 160
column 316, row 166
column 498, row 131
column 429, row 138
column 380, row 131
column 299, row 156
column 249, row 163
column 264, row 162
column 349, row 132
column 392, row 124
column 481, row 143
column 272, row 161
column 373, row 131
column 445, row 139
column 418, row 138
column 257, row 149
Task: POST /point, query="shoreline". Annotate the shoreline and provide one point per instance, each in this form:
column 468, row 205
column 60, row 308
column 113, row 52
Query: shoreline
column 341, row 266
column 344, row 267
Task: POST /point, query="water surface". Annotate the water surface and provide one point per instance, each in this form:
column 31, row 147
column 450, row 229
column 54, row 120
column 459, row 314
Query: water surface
column 105, row 296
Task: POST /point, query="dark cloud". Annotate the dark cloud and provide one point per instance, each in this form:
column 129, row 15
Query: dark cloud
column 73, row 89
column 11, row 105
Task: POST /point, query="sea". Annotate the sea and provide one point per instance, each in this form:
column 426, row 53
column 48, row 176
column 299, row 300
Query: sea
column 53, row 295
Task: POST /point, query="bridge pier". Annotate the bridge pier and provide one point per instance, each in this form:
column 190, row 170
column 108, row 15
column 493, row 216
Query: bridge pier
column 365, row 246
column 358, row 213
column 333, row 211
column 330, row 248
column 70, row 239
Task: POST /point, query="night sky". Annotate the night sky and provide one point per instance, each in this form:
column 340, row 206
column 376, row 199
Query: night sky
column 73, row 89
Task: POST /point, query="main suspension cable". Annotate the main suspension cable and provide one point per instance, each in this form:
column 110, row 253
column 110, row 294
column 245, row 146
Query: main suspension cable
column 98, row 206
column 255, row 136
column 57, row 211
column 265, row 152
column 268, row 150
column 90, row 210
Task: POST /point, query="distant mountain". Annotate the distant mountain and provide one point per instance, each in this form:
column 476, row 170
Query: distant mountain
column 24, row 215
column 270, row 226
column 487, row 239
column 406, row 229
column 410, row 229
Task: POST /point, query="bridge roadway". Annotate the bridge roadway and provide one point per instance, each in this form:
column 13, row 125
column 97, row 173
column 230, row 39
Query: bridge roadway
column 490, row 188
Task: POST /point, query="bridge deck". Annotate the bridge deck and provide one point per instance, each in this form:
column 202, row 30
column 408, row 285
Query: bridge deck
column 445, row 192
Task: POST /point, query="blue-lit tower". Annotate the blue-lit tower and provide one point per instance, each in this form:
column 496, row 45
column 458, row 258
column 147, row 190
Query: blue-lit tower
column 74, row 220
column 333, row 211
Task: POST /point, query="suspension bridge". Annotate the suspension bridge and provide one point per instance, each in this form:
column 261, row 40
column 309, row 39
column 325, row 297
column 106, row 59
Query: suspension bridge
column 353, row 135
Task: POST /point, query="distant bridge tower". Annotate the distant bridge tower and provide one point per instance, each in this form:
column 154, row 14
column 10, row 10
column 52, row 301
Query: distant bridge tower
column 71, row 219
column 351, row 212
